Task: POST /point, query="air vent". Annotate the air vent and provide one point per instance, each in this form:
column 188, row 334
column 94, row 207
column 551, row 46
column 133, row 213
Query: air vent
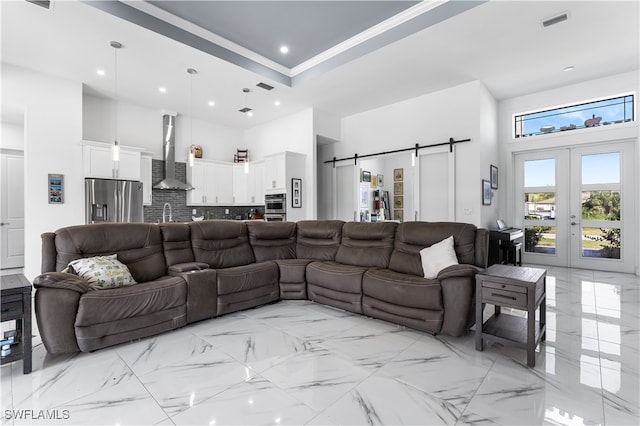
column 264, row 86
column 245, row 110
column 555, row 20
column 47, row 4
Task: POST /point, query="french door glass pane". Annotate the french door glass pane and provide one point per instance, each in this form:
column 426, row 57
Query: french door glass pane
column 540, row 172
column 539, row 205
column 601, row 168
column 601, row 205
column 540, row 239
column 601, row 242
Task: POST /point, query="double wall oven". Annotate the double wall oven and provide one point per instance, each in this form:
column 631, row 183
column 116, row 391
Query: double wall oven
column 275, row 207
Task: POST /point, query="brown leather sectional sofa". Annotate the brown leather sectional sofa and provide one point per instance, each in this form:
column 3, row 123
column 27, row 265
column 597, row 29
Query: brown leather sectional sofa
column 191, row 272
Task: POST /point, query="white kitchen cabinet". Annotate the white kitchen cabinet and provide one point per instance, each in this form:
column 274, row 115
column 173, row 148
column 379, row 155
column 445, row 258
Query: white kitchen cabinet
column 248, row 188
column 212, row 182
column 279, row 170
column 146, row 162
column 275, row 173
column 98, row 162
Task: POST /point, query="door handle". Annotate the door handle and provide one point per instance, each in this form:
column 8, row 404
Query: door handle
column 3, row 224
column 574, row 223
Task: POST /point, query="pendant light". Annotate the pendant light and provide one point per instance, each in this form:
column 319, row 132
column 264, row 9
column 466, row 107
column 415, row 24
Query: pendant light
column 115, row 149
column 191, row 72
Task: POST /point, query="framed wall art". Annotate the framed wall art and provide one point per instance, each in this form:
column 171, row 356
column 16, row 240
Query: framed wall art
column 296, row 193
column 398, row 202
column 55, row 185
column 374, row 181
column 380, row 180
column 494, row 177
column 397, row 188
column 486, row 192
column 366, row 176
column 398, row 174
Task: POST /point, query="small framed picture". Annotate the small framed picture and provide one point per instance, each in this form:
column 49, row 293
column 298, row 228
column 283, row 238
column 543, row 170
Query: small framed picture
column 380, row 180
column 364, row 196
column 374, row 181
column 56, row 188
column 494, row 177
column 398, row 215
column 398, row 174
column 398, row 202
column 397, row 188
column 366, row 176
column 296, row 193
column 486, row 192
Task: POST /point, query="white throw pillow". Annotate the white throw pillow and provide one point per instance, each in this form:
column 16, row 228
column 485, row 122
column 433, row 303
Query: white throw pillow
column 102, row 271
column 437, row 257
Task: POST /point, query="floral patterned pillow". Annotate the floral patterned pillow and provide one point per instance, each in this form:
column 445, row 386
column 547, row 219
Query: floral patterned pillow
column 102, row 272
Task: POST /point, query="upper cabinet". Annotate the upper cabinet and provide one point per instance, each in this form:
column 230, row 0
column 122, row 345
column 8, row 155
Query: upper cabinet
column 280, row 168
column 212, row 182
column 98, row 162
column 248, row 183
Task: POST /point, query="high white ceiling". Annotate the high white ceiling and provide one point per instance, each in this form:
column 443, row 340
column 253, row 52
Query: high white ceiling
column 501, row 43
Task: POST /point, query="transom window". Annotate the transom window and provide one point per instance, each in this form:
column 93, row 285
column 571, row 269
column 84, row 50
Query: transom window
column 602, row 112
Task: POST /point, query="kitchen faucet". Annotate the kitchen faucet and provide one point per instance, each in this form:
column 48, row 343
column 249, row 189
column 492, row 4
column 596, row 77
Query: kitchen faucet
column 164, row 213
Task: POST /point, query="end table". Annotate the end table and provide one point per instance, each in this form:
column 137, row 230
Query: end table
column 518, row 288
column 16, row 305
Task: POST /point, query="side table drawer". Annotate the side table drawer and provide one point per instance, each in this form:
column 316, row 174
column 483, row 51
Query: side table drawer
column 504, row 297
column 505, row 287
column 11, row 310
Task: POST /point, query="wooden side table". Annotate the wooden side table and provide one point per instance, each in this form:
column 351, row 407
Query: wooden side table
column 518, row 288
column 16, row 305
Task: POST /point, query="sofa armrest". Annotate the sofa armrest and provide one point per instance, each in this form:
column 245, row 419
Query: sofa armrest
column 62, row 281
column 458, row 297
column 202, row 293
column 179, row 268
column 460, row 270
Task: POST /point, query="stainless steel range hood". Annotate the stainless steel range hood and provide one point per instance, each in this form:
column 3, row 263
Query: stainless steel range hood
column 169, row 156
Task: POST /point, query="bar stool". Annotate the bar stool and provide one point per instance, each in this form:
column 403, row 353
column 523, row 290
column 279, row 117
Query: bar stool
column 511, row 252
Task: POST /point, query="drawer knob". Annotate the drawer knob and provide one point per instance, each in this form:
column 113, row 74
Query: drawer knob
column 504, row 286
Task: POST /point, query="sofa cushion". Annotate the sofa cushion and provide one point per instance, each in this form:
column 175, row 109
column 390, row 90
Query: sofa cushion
column 411, row 237
column 221, row 243
column 402, row 289
column 246, row 277
column 138, row 245
column 318, row 239
column 366, row 244
column 101, row 272
column 176, row 243
column 272, row 240
column 127, row 302
column 437, row 257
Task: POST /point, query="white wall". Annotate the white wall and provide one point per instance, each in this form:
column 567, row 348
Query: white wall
column 52, row 135
column 428, row 119
column 142, row 127
column 12, row 136
column 588, row 90
column 292, row 133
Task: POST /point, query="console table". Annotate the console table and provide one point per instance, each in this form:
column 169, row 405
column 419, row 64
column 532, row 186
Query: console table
column 518, row 288
column 16, row 305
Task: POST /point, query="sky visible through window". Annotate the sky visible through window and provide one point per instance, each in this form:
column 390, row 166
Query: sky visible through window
column 596, row 168
column 601, row 113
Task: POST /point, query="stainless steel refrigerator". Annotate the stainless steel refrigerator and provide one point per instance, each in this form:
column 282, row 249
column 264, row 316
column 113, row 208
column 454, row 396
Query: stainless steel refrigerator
column 110, row 200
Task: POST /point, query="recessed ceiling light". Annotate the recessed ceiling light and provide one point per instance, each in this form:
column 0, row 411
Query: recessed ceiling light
column 284, row 49
column 101, row 73
column 569, row 68
column 211, row 103
column 162, row 89
column 277, row 103
column 250, row 113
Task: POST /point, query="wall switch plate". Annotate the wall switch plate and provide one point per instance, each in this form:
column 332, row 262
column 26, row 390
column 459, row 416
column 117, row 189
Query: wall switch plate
column 193, row 211
column 226, row 211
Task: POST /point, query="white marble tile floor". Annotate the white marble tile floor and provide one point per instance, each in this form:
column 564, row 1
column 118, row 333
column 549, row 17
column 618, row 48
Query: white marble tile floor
column 301, row 363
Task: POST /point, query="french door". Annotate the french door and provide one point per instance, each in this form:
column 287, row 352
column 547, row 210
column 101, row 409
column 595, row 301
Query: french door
column 576, row 206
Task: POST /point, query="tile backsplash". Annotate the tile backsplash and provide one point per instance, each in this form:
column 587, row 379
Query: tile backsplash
column 178, row 200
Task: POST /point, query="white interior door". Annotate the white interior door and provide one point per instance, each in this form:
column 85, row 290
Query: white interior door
column 345, row 183
column 576, row 206
column 12, row 211
column 436, row 183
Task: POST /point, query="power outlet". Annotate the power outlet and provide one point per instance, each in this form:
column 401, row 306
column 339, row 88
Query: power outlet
column 226, row 211
column 467, row 211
